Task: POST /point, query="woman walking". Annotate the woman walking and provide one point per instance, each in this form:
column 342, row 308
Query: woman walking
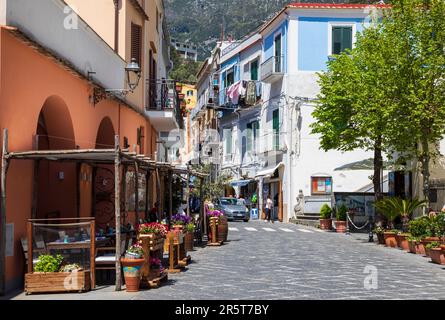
column 269, row 207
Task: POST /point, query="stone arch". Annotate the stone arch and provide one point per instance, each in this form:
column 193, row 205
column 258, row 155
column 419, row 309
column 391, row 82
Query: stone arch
column 57, row 182
column 105, row 134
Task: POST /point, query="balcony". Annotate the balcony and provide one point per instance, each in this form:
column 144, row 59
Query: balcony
column 272, row 144
column 162, row 105
column 272, row 69
column 250, row 97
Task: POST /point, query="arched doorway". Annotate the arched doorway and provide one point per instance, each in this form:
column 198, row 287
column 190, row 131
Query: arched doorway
column 103, row 178
column 56, row 194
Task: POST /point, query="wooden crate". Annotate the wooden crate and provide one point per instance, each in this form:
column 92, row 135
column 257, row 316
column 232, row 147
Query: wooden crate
column 58, row 282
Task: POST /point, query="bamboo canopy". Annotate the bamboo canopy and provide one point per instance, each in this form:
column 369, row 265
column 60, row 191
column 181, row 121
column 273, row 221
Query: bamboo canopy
column 118, row 157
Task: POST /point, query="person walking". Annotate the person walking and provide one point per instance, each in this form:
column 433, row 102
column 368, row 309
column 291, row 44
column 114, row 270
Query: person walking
column 269, row 208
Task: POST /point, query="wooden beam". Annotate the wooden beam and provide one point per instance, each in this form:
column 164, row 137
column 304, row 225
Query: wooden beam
column 117, row 205
column 3, row 215
column 136, row 190
column 188, row 194
column 170, row 196
column 93, row 253
column 124, row 190
column 158, row 192
column 35, row 190
column 78, row 177
column 147, row 196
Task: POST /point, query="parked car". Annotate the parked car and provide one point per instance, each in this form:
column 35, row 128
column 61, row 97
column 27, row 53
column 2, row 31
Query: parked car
column 233, row 209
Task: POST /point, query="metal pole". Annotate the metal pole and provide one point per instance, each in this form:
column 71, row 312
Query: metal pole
column 3, row 216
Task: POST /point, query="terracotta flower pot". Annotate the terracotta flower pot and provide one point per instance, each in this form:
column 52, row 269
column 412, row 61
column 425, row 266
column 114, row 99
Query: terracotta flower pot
column 132, row 273
column 416, row 247
column 188, row 241
column 426, row 241
column 402, row 242
column 437, row 255
column 325, row 224
column 340, row 226
column 178, row 227
column 381, row 238
column 390, row 239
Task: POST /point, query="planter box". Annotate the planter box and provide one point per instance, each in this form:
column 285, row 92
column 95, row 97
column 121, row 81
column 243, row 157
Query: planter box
column 151, row 242
column 437, row 255
column 390, row 240
column 58, row 282
column 189, row 241
column 325, row 224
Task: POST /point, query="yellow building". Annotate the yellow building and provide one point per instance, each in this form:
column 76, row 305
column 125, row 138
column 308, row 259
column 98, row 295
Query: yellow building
column 189, row 93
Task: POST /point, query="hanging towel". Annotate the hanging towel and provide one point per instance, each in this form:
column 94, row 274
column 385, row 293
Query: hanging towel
column 258, row 89
column 251, row 93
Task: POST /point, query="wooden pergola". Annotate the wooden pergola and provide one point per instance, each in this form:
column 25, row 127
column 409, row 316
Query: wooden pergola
column 117, row 156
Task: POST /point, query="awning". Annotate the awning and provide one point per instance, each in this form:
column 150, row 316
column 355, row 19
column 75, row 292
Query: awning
column 240, row 183
column 269, row 172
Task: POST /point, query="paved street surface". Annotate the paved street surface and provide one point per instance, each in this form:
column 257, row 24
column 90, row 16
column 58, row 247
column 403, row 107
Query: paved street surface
column 285, row 261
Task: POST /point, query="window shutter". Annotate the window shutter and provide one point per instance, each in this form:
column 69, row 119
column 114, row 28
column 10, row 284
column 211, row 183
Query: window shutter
column 249, row 136
column 136, row 42
column 347, row 38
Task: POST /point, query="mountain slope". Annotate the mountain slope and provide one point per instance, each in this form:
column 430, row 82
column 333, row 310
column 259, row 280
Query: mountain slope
column 202, row 21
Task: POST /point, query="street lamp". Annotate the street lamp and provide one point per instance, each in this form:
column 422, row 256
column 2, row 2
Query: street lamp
column 133, row 75
column 133, row 71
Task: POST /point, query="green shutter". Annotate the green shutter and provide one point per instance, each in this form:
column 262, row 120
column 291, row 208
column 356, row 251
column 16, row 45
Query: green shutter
column 276, row 128
column 254, row 70
column 249, row 136
column 341, row 39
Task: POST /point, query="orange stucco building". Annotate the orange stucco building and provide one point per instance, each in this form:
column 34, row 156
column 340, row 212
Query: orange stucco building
column 47, row 103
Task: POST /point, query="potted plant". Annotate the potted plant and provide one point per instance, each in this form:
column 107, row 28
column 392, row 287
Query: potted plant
column 388, row 208
column 48, row 264
column 436, row 253
column 189, row 236
column 379, row 231
column 178, row 221
column 132, row 269
column 155, row 267
column 153, row 228
column 326, row 217
column 418, row 228
column 134, row 252
column 341, row 216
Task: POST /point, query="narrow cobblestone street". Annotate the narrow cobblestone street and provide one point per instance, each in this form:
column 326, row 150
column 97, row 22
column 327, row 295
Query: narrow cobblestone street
column 285, row 261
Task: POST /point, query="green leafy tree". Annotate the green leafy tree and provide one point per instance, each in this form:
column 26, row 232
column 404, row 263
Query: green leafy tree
column 352, row 109
column 417, row 30
column 183, row 70
column 212, row 188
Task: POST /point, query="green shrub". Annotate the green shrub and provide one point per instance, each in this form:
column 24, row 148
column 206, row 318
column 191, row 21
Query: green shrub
column 325, row 212
column 342, row 213
column 432, row 245
column 420, row 227
column 48, row 263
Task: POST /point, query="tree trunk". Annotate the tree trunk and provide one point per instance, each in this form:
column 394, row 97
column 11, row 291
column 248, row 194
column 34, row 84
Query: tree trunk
column 425, row 162
column 377, row 181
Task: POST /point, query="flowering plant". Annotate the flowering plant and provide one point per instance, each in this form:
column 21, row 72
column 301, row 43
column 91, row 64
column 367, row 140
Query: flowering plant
column 155, row 228
column 190, row 227
column 155, row 263
column 215, row 214
column 136, row 249
column 180, row 219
